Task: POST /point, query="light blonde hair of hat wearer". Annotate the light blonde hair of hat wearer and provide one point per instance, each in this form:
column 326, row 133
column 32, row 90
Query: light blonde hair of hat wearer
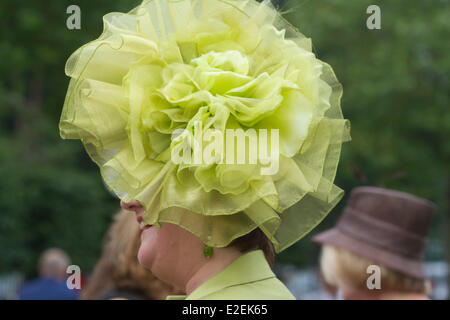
column 118, row 267
column 343, row 269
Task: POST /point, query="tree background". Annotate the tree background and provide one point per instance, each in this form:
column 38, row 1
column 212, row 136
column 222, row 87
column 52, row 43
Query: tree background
column 396, row 91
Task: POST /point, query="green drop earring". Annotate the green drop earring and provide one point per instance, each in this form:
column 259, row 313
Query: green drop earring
column 208, row 251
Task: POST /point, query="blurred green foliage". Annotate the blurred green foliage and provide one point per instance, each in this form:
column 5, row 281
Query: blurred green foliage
column 396, row 91
column 50, row 192
column 395, row 94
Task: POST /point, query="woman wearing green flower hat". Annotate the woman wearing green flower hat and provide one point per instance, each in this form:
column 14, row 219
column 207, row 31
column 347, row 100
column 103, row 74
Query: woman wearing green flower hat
column 214, row 122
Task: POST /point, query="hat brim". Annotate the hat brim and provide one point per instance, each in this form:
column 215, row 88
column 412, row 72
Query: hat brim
column 335, row 237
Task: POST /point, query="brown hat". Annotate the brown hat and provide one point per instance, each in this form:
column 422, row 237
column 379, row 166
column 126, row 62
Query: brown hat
column 388, row 227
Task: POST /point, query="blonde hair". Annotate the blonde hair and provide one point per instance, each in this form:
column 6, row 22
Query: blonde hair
column 118, row 267
column 343, row 269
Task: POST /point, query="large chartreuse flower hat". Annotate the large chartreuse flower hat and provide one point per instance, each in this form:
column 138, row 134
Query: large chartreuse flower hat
column 169, row 70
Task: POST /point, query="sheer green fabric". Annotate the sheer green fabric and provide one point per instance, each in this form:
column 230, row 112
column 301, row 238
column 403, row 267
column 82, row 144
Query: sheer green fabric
column 226, row 64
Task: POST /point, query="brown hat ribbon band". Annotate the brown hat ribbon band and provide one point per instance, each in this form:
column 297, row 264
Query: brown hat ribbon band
column 381, row 234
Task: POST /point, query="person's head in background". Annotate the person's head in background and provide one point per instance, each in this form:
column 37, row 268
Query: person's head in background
column 118, row 273
column 347, row 272
column 51, row 284
column 53, row 264
column 381, row 233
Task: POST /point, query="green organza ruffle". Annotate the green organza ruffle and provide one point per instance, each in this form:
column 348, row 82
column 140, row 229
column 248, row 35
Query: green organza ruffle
column 226, row 64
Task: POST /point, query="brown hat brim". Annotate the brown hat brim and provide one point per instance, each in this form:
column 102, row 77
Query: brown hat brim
column 335, row 237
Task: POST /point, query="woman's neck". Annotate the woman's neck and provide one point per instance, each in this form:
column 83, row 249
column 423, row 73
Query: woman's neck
column 221, row 258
